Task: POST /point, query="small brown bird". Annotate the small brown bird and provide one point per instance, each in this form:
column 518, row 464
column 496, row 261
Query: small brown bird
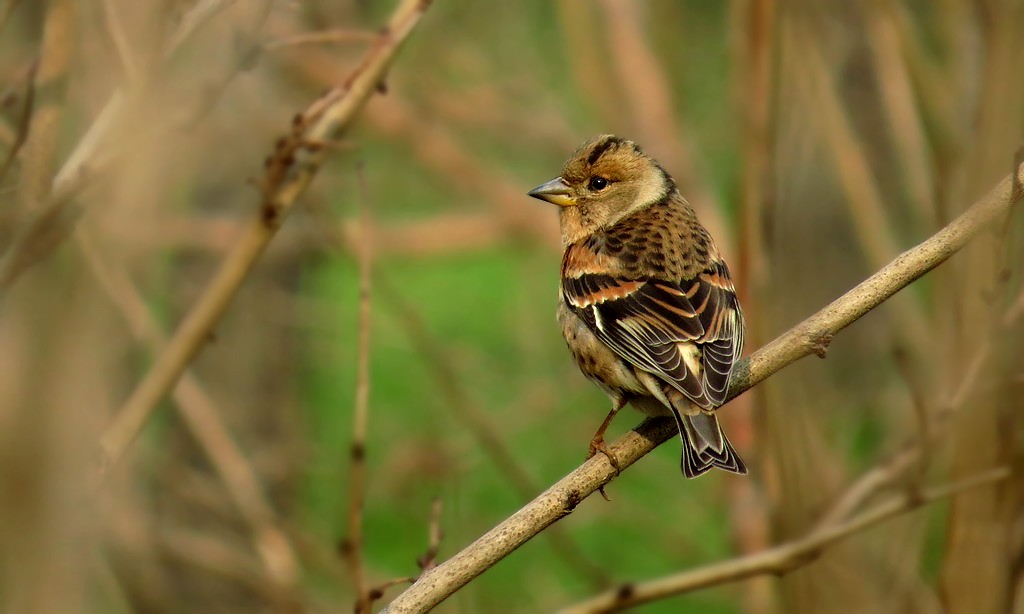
column 646, row 303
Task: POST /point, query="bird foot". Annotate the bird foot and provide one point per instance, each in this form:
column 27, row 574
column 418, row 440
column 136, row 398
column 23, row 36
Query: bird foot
column 597, row 444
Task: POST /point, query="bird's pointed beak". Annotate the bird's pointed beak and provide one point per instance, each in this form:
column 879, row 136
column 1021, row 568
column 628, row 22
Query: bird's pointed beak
column 556, row 192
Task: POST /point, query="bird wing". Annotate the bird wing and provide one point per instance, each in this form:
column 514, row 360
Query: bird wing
column 688, row 333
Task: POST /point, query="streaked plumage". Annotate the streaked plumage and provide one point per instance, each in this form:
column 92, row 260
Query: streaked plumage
column 646, row 303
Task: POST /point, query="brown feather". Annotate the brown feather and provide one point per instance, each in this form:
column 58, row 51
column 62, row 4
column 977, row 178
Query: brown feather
column 647, row 305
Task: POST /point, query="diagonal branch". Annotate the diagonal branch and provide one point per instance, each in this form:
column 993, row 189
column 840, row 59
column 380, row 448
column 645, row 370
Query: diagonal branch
column 56, row 214
column 202, row 418
column 811, row 336
column 288, row 173
column 779, row 559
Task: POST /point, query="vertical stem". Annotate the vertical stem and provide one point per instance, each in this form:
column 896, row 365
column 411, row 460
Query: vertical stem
column 353, row 543
column 753, row 92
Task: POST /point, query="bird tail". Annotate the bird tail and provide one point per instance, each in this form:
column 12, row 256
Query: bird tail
column 705, row 445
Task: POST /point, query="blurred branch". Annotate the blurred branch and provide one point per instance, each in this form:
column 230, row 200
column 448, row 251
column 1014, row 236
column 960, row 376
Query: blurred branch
column 319, row 38
column 44, row 230
column 115, row 28
column 893, row 469
column 202, row 419
column 754, row 91
column 480, row 425
column 99, row 131
column 213, row 555
column 469, row 413
column 245, row 53
column 56, row 214
column 438, row 234
column 24, row 121
column 34, row 216
column 780, row 559
column 647, row 88
column 199, row 14
column 352, row 545
column 864, row 202
column 40, row 130
column 443, row 151
column 919, row 399
column 900, row 106
column 811, row 336
column 588, row 57
column 429, row 558
column 288, row 172
column 6, row 11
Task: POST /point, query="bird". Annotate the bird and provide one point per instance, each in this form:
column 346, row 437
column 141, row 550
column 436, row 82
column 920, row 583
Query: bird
column 646, row 302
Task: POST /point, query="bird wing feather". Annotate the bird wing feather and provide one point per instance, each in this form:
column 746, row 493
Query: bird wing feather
column 650, row 323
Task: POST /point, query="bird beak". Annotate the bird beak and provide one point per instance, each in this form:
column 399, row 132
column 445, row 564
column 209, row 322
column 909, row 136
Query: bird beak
column 556, row 192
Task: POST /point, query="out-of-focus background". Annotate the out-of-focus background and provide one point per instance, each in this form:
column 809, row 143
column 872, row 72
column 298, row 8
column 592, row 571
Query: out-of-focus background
column 817, row 140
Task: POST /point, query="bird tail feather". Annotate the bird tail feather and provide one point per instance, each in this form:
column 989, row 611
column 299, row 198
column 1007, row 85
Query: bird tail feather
column 705, row 445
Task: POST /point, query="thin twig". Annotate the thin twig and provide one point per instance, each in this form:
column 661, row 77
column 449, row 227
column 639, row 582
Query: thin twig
column 44, row 229
column 23, row 121
column 86, row 149
column 481, row 427
column 202, row 419
column 244, row 55
column 199, row 14
column 754, row 94
column 864, row 202
column 779, row 559
column 442, row 150
column 289, row 171
column 352, row 545
column 646, row 86
column 318, row 38
column 922, row 411
column 213, row 555
column 456, row 398
column 429, row 559
column 39, row 154
column 33, row 213
column 811, row 336
column 6, row 11
column 115, row 28
column 888, row 472
column 91, row 157
column 900, row 106
column 440, row 234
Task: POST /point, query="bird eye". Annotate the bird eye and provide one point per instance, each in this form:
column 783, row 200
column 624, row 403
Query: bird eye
column 598, row 183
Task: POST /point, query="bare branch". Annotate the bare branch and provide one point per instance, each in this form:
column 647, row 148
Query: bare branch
column 352, row 545
column 482, row 428
column 810, row 336
column 289, row 171
column 320, row 38
column 49, row 86
column 198, row 15
column 115, row 28
column 55, row 214
column 202, row 418
column 6, row 11
column 23, row 121
column 429, row 558
column 778, row 560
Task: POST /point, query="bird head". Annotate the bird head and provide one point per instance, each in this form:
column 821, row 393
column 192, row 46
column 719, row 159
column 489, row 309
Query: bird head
column 605, row 180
